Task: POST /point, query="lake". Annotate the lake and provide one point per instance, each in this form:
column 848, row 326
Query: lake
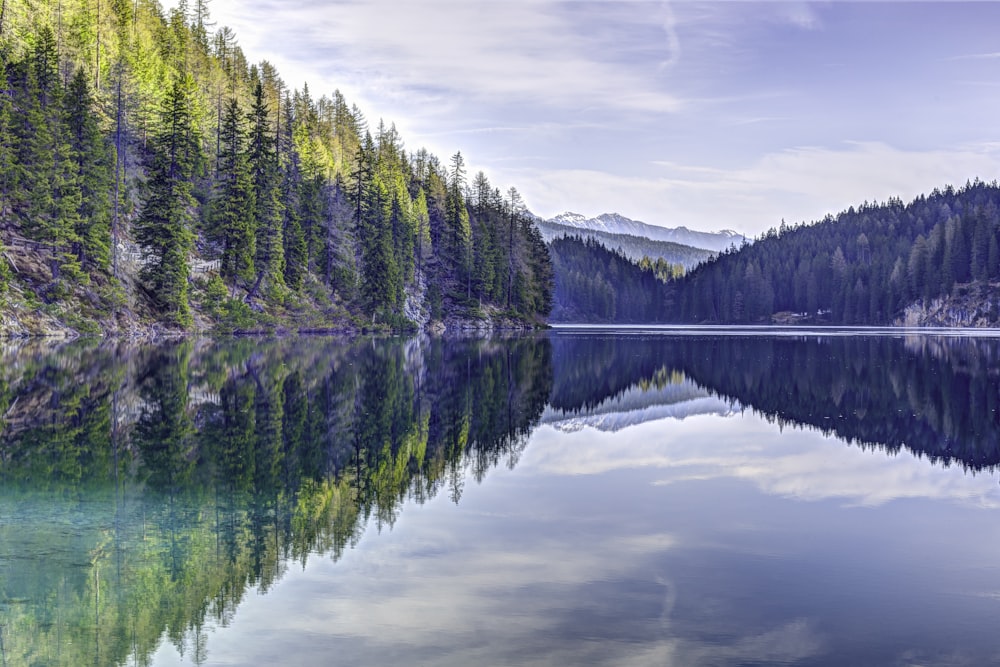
column 577, row 497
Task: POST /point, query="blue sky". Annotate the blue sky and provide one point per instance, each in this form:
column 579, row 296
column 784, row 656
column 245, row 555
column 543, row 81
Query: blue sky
column 711, row 115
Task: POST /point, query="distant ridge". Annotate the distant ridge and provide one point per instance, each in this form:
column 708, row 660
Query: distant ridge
column 614, row 223
column 632, row 246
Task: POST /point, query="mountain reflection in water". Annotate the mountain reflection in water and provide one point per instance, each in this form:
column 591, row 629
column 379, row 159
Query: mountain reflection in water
column 146, row 489
column 937, row 396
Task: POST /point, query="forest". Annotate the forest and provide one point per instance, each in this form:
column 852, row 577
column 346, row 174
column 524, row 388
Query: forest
column 596, row 285
column 150, row 172
column 863, row 266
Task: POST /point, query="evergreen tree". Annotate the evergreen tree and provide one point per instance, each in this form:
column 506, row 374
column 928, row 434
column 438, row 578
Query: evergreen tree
column 48, row 183
column 459, row 245
column 338, row 252
column 164, row 226
column 91, row 162
column 299, row 190
column 269, row 211
column 422, row 220
column 294, row 240
column 7, row 143
column 381, row 282
column 236, row 202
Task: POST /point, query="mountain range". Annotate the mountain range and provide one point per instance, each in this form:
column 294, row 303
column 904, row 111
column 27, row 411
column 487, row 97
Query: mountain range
column 614, row 223
column 633, row 247
column 636, row 405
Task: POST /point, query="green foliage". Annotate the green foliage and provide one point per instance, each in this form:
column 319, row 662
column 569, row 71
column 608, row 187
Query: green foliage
column 594, row 284
column 236, row 202
column 436, row 301
column 164, row 226
column 300, row 193
column 237, row 315
column 8, row 142
column 90, row 163
column 269, row 214
column 5, row 273
column 863, row 266
column 233, row 467
column 81, row 324
column 215, row 295
column 664, row 270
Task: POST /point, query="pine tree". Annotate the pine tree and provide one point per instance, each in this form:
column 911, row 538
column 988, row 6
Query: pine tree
column 48, row 196
column 236, row 203
column 381, row 282
column 7, row 144
column 91, row 162
column 292, row 235
column 269, row 211
column 422, row 221
column 459, row 230
column 164, row 226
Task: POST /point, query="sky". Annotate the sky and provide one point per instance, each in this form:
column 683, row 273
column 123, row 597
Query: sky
column 711, row 115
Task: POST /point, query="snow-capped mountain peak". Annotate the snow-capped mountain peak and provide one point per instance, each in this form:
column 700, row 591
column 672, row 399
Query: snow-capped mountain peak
column 616, row 223
column 571, row 219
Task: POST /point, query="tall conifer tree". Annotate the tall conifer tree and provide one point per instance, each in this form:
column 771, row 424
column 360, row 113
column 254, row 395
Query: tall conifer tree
column 164, row 227
column 236, row 202
column 91, row 162
column 268, row 209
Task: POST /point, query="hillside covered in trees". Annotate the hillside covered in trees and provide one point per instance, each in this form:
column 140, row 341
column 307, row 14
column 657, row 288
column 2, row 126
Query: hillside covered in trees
column 869, row 265
column 152, row 176
column 635, row 248
column 597, row 285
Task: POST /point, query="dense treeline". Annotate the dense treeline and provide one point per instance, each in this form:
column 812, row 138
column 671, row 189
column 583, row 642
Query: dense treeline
column 863, row 266
column 594, row 284
column 936, row 397
column 245, row 200
column 166, row 482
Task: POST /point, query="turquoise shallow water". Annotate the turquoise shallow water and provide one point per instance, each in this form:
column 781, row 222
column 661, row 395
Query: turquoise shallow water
column 580, row 497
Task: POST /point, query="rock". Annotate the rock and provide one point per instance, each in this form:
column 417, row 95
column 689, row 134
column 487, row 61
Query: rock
column 971, row 305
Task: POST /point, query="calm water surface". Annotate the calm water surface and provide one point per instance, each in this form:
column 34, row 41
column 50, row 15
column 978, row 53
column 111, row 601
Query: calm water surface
column 583, row 497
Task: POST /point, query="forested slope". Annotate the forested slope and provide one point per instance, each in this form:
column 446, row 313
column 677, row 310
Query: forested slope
column 598, row 285
column 635, row 248
column 151, row 174
column 864, row 266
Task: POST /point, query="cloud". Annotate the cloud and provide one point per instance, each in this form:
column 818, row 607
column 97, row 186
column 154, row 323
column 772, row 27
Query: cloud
column 599, row 90
column 978, row 56
column 800, row 184
column 800, row 14
column 801, row 464
column 673, row 40
column 527, row 586
column 524, row 51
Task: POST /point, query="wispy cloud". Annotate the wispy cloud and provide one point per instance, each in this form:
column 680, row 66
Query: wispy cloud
column 521, row 50
column 798, row 185
column 730, row 92
column 978, row 56
column 801, row 14
column 803, row 464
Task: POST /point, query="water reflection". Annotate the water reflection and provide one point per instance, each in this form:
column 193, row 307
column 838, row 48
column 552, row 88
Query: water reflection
column 936, row 396
column 146, row 490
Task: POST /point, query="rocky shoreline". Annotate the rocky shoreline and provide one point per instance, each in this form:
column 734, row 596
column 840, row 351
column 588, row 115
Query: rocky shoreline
column 972, row 305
